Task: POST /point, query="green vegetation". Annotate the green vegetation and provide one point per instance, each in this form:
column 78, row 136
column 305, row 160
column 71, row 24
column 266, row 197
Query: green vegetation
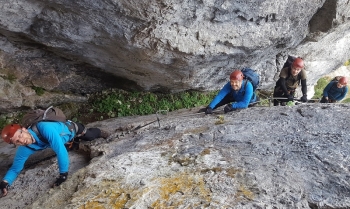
column 118, row 103
column 10, row 77
column 321, row 84
column 264, row 96
column 290, row 103
column 38, row 90
column 347, row 63
column 3, row 122
column 11, row 118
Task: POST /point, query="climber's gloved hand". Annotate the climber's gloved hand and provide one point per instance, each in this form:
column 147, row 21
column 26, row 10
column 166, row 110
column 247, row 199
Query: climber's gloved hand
column 75, row 145
column 290, row 98
column 4, row 186
column 303, row 98
column 62, row 178
column 326, row 100
column 228, row 108
column 209, row 110
column 72, row 145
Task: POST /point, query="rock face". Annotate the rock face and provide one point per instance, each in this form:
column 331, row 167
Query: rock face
column 79, row 47
column 261, row 157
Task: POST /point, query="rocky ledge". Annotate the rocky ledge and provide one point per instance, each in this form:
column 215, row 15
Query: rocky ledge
column 261, row 157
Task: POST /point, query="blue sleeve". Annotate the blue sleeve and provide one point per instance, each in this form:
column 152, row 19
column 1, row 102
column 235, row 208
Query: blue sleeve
column 328, row 87
column 343, row 94
column 222, row 93
column 21, row 156
column 55, row 135
column 242, row 101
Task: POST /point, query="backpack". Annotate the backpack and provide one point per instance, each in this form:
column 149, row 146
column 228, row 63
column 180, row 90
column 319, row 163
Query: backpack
column 336, row 78
column 33, row 117
column 289, row 61
column 252, row 76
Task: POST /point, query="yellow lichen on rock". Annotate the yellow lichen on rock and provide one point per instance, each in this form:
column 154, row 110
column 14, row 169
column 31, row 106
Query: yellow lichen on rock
column 175, row 191
column 244, row 192
column 221, row 120
column 110, row 197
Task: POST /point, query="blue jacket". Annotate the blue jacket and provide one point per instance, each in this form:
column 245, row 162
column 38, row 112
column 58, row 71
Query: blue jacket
column 57, row 134
column 333, row 92
column 243, row 97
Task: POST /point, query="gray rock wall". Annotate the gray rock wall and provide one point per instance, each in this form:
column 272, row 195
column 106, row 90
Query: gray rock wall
column 261, row 157
column 164, row 45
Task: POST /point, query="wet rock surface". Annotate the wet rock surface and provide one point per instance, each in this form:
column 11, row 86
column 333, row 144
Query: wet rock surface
column 261, row 157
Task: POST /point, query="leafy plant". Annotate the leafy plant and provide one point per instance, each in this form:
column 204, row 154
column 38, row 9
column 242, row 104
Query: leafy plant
column 38, row 90
column 121, row 103
column 321, row 84
column 264, row 98
column 290, row 103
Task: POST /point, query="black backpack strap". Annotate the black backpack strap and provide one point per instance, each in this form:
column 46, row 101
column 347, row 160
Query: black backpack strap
column 289, row 72
column 245, row 86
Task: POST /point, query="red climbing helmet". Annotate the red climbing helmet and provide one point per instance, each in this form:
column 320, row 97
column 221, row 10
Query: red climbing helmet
column 236, row 75
column 298, row 63
column 8, row 132
column 343, row 81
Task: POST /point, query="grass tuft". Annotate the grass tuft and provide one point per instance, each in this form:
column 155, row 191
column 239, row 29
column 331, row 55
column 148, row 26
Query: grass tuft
column 122, row 103
column 320, row 85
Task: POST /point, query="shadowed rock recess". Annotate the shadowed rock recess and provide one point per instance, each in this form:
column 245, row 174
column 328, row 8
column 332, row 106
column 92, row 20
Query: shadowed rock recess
column 261, row 157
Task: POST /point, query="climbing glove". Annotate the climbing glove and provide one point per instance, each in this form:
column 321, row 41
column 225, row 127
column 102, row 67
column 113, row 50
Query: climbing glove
column 4, row 187
column 73, row 145
column 228, row 108
column 303, row 98
column 290, row 97
column 62, row 178
column 209, row 110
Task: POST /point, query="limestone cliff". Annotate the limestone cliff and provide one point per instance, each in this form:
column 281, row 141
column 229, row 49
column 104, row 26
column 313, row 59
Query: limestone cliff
column 84, row 46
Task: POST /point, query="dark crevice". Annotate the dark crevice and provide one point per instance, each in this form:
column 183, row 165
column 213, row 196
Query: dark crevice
column 323, row 18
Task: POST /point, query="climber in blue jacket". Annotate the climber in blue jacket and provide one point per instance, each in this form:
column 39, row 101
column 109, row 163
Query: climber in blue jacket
column 335, row 90
column 238, row 91
column 52, row 135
